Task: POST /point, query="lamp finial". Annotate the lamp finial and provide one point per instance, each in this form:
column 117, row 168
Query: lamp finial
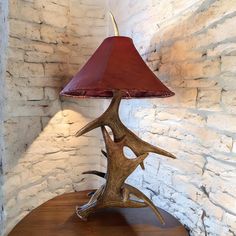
column 115, row 27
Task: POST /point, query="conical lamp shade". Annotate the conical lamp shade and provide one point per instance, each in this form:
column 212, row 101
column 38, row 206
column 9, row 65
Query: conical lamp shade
column 116, row 65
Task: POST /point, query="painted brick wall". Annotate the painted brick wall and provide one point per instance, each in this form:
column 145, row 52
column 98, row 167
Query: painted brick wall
column 3, row 48
column 190, row 46
column 48, row 41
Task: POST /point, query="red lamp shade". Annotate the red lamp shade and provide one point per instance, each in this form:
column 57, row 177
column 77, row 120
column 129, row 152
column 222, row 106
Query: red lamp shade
column 116, row 65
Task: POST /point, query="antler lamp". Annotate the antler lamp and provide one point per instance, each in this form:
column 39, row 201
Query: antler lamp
column 117, row 70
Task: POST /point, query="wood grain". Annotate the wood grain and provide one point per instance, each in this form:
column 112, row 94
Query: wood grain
column 57, row 217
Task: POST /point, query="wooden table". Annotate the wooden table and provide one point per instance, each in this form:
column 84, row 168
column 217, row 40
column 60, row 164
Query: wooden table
column 57, row 217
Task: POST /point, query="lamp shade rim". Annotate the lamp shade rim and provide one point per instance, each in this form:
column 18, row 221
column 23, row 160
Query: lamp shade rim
column 106, row 93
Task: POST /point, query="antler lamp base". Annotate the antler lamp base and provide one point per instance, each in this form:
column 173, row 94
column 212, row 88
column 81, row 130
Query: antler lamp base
column 115, row 192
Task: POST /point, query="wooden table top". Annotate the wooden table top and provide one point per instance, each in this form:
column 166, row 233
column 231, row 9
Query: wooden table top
column 57, row 217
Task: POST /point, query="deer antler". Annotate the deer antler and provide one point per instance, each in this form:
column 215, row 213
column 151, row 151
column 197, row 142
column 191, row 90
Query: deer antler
column 115, row 192
column 128, row 189
column 111, row 119
column 95, row 172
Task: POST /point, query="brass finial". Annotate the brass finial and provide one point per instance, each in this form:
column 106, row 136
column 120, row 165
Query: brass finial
column 115, row 27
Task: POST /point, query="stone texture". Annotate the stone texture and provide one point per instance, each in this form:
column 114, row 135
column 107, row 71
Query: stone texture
column 209, row 99
column 191, row 47
column 222, row 122
column 3, row 53
column 42, row 158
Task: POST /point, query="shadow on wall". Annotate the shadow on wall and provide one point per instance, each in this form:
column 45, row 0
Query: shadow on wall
column 43, row 157
column 48, row 158
column 48, row 43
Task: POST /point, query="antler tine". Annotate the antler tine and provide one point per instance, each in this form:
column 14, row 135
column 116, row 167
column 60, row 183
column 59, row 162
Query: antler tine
column 90, row 126
column 95, row 172
column 104, row 153
column 140, row 158
column 140, row 195
column 160, row 151
column 101, row 121
column 96, row 194
column 107, row 138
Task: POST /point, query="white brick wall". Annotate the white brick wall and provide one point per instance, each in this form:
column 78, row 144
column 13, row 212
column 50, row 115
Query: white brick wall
column 48, row 42
column 3, row 49
column 191, row 47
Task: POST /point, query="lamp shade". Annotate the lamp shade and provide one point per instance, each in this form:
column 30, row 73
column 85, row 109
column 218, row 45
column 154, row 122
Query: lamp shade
column 116, row 65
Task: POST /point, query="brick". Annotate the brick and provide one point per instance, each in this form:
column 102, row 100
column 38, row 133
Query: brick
column 39, row 47
column 49, row 34
column 51, row 93
column 45, row 167
column 229, row 97
column 32, row 31
column 209, row 99
column 55, row 70
column 222, row 122
column 24, row 93
column 229, row 101
column 54, row 183
column 17, row 28
column 77, row 10
column 13, row 68
column 11, row 184
column 54, row 19
column 180, row 51
column 230, row 220
column 222, row 49
column 13, row 8
column 16, row 43
column 31, row 70
column 227, row 81
column 224, row 29
column 40, row 57
column 57, row 6
column 225, row 200
column 63, row 49
column 58, row 57
column 35, row 57
column 223, row 144
column 228, row 64
column 198, row 83
column 24, row 29
column 31, row 192
column 25, row 11
column 15, row 54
